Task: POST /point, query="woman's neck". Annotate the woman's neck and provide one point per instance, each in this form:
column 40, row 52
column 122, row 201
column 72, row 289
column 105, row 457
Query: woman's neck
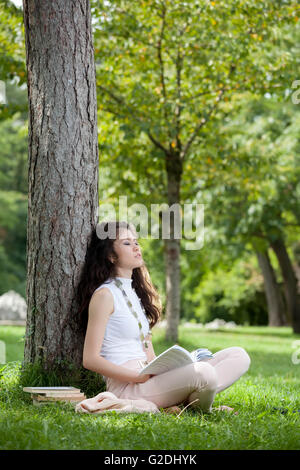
column 124, row 273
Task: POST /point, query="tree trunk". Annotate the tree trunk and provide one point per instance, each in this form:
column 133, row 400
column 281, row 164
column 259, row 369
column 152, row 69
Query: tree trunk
column 172, row 249
column 296, row 265
column 63, row 172
column 290, row 283
column 274, row 298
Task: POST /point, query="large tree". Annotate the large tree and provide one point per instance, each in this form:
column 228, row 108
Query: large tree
column 63, row 172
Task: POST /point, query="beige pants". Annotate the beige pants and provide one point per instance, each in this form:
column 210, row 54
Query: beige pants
column 200, row 380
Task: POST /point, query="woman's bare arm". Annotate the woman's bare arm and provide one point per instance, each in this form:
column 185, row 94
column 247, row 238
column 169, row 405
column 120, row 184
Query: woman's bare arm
column 100, row 308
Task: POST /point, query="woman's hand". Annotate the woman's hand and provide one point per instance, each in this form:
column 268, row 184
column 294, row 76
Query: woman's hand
column 141, row 378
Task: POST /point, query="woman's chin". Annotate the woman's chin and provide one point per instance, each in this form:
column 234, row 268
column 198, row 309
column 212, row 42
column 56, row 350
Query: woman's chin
column 139, row 263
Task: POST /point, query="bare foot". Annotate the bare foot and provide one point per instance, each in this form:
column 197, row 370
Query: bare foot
column 173, row 410
column 225, row 408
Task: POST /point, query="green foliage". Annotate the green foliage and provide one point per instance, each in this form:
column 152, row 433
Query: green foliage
column 13, row 155
column 13, row 201
column 12, row 62
column 234, row 294
column 256, row 161
column 13, row 220
column 14, row 342
column 251, row 196
column 153, row 255
column 161, row 71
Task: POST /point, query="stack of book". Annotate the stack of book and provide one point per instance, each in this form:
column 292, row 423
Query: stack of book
column 43, row 395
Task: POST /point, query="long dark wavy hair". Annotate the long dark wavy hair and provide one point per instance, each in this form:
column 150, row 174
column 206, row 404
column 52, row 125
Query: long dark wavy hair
column 98, row 268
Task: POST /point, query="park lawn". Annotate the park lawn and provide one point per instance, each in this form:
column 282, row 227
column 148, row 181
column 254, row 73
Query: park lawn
column 273, row 380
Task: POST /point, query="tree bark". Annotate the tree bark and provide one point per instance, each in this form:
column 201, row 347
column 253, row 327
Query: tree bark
column 172, row 249
column 296, row 265
column 290, row 283
column 275, row 302
column 173, row 297
column 63, row 172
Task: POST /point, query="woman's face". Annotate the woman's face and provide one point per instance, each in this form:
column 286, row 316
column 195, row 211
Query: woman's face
column 128, row 250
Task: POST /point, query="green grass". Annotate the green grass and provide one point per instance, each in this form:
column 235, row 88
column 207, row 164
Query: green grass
column 272, row 381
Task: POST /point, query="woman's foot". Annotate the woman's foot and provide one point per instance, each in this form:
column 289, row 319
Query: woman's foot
column 225, row 408
column 173, row 410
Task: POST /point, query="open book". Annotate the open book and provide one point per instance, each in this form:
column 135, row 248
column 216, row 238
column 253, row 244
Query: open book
column 174, row 357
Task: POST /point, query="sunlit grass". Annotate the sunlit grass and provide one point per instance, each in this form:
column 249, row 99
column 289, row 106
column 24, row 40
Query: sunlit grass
column 273, row 381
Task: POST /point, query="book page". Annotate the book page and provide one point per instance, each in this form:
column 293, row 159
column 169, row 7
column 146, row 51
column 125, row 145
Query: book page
column 172, row 358
column 201, row 354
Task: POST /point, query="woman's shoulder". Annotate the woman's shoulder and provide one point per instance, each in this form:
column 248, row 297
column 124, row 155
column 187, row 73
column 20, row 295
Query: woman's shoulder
column 107, row 285
column 104, row 291
column 102, row 298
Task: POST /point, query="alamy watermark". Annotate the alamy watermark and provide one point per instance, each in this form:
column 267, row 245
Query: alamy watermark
column 2, row 92
column 2, row 352
column 187, row 223
column 296, row 354
column 296, row 94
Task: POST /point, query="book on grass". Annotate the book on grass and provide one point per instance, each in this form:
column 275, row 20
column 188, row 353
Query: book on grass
column 51, row 391
column 72, row 397
column 36, row 402
column 175, row 357
column 60, row 394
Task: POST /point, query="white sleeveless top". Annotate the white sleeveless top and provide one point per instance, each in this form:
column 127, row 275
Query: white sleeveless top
column 122, row 342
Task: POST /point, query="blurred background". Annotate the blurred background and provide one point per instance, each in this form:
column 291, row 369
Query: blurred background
column 244, row 168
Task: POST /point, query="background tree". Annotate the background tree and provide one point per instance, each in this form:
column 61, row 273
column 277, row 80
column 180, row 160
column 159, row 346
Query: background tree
column 63, row 173
column 255, row 200
column 276, row 307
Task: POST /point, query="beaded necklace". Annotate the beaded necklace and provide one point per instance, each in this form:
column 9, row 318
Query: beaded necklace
column 119, row 284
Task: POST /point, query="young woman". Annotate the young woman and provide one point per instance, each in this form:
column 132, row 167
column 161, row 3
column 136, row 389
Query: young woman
column 120, row 306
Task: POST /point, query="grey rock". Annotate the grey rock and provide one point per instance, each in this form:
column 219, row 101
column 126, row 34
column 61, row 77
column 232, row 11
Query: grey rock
column 219, row 323
column 12, row 306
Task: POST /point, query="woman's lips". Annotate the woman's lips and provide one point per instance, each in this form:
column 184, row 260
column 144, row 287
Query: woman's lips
column 138, row 256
